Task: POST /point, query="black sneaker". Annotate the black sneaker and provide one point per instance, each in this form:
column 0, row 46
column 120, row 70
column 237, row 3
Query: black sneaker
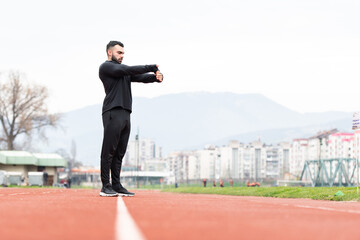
column 107, row 191
column 122, row 191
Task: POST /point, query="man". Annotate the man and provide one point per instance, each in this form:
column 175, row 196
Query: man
column 45, row 178
column 117, row 78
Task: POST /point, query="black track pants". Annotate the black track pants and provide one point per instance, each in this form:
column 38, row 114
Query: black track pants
column 116, row 136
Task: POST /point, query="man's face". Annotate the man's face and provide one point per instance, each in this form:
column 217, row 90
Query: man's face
column 116, row 53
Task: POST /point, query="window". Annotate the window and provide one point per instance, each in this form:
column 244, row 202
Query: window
column 40, row 168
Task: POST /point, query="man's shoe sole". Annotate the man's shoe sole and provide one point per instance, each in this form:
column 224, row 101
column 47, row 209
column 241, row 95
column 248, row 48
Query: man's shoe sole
column 102, row 194
column 125, row 195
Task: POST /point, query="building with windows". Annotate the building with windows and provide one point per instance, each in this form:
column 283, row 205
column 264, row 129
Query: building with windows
column 273, row 165
column 284, row 159
column 178, row 165
column 357, row 144
column 257, row 161
column 242, row 162
column 341, row 145
column 140, row 152
column 299, row 154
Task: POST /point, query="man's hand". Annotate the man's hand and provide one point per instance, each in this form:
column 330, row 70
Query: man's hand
column 159, row 76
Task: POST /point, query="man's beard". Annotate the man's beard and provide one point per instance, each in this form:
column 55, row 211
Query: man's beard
column 115, row 59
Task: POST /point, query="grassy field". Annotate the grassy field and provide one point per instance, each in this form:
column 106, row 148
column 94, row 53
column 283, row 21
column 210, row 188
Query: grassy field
column 319, row 193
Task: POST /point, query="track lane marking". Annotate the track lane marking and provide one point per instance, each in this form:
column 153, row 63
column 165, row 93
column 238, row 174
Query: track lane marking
column 13, row 194
column 310, row 207
column 126, row 228
column 328, row 209
column 307, row 206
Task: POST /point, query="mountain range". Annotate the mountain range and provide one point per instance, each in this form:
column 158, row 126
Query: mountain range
column 187, row 121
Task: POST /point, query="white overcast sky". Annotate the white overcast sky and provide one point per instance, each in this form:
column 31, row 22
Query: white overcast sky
column 303, row 54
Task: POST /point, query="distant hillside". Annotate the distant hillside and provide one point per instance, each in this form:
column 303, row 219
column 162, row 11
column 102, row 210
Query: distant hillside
column 181, row 121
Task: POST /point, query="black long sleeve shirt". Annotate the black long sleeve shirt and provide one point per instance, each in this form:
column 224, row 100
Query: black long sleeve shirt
column 117, row 79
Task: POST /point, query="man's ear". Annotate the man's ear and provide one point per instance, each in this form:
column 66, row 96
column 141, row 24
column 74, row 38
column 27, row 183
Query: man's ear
column 109, row 52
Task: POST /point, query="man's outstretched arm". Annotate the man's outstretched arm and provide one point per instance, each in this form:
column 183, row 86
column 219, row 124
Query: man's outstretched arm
column 148, row 78
column 120, row 70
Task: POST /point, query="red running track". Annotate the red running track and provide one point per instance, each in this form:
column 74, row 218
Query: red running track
column 82, row 214
column 191, row 216
column 55, row 214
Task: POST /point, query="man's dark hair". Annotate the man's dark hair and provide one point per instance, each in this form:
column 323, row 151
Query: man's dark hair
column 113, row 43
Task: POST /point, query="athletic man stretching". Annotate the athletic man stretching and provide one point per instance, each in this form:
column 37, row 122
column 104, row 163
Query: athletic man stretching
column 116, row 110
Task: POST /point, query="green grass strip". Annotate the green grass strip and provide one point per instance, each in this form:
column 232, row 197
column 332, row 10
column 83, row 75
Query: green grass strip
column 318, row 193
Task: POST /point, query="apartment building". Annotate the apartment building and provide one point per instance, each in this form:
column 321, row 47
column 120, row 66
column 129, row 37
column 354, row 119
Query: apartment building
column 143, row 151
column 284, row 159
column 273, row 164
column 243, row 161
column 341, row 145
column 209, row 160
column 299, row 154
column 193, row 166
column 257, row 161
column 230, row 160
column 254, row 162
column 324, row 145
column 357, row 144
column 178, row 165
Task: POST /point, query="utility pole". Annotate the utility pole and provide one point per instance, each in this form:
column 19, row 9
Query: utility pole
column 320, row 138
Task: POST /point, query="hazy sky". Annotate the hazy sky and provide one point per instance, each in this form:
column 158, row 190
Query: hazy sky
column 302, row 54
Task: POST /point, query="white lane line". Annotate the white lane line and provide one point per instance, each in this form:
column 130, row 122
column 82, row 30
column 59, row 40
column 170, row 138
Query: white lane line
column 126, row 227
column 13, row 194
column 329, row 209
column 314, row 207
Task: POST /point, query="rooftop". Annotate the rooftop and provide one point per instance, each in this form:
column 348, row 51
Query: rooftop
column 27, row 158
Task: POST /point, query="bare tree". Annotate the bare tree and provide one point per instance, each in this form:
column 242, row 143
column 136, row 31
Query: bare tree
column 23, row 110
